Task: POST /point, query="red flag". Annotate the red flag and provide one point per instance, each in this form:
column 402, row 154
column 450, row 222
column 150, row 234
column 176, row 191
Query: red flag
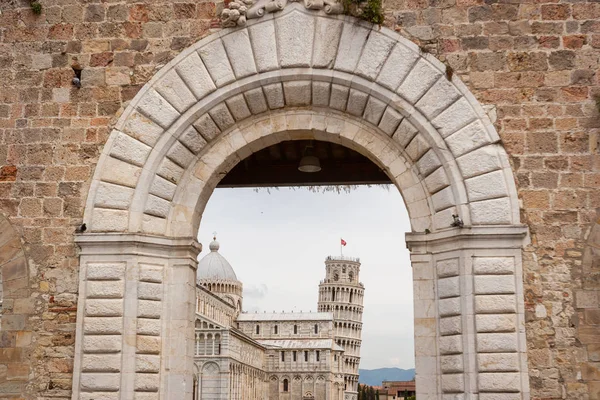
column 343, row 242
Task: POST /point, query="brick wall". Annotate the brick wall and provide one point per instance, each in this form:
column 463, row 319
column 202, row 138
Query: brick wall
column 536, row 61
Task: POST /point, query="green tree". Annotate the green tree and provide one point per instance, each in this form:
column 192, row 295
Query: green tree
column 377, row 395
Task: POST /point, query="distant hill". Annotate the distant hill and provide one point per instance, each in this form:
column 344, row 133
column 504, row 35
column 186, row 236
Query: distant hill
column 374, row 377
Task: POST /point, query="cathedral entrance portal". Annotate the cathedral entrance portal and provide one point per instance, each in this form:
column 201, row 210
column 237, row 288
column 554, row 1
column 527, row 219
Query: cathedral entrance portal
column 301, row 75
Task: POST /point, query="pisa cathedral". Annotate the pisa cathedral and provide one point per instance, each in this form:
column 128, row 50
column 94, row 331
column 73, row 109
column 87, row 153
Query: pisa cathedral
column 277, row 356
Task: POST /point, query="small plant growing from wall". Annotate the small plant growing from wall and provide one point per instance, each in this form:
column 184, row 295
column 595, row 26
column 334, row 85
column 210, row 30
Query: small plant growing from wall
column 369, row 10
column 36, row 7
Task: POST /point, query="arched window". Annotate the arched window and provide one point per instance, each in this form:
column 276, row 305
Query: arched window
column 275, row 329
column 305, row 356
column 316, row 328
column 351, row 293
column 283, row 356
column 285, row 385
column 295, row 329
column 294, row 353
column 318, row 355
column 257, row 329
column 333, row 295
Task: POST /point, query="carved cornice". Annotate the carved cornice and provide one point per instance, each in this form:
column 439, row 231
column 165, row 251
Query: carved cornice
column 239, row 11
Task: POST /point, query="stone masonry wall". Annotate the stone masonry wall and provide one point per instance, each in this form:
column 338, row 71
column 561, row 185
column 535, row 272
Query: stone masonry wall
column 537, row 61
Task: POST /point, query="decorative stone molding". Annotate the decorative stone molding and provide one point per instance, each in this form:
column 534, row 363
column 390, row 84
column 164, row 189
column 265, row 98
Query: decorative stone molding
column 239, row 11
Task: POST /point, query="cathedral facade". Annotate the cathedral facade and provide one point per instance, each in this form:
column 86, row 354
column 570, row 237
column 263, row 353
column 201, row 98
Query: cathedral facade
column 287, row 356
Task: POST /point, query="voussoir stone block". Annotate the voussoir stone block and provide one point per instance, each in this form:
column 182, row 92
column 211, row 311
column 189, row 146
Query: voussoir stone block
column 163, row 188
column 357, row 101
column 479, row 161
column 374, row 110
column 142, row 128
column 180, row 154
column 175, row 91
column 324, row 51
column 487, row 186
column 195, row 75
column 339, row 97
column 297, row 93
column 129, row 149
column 455, row 117
column 374, row 54
column 441, row 95
column 467, row 139
column 217, row 63
column 264, row 46
column 114, row 196
column 350, row 49
column 238, row 107
column 397, row 66
column 295, row 35
column 120, row 172
column 110, row 220
column 418, row 81
column 157, row 108
column 493, row 212
column 390, row 121
column 239, row 50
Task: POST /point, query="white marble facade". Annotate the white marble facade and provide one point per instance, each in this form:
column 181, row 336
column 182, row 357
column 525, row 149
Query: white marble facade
column 272, row 356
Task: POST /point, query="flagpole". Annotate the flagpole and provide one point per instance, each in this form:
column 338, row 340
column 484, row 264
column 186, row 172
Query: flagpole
column 341, row 248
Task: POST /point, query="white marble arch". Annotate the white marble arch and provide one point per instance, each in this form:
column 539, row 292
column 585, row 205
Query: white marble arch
column 301, row 74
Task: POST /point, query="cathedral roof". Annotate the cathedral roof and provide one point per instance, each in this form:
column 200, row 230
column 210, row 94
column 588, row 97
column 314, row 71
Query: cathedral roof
column 302, row 344
column 214, row 266
column 301, row 316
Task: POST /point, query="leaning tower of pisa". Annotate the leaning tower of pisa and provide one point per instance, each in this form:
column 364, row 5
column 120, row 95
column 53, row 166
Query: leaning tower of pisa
column 341, row 293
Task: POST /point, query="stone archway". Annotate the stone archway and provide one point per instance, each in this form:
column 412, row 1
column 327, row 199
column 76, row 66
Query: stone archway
column 301, row 74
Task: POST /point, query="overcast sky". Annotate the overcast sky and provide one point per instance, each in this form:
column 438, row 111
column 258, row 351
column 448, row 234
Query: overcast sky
column 277, row 242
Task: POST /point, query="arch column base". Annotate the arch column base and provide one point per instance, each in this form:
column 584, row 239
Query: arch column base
column 135, row 317
column 469, row 313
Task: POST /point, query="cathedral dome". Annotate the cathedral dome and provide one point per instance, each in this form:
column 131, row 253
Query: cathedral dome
column 214, row 266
